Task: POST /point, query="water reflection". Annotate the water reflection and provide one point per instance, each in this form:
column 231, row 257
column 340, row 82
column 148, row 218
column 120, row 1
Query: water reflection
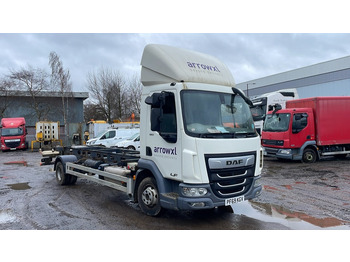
column 293, row 220
column 6, row 217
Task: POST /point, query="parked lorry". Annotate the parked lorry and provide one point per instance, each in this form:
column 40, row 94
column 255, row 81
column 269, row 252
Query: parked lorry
column 13, row 133
column 263, row 103
column 308, row 129
column 199, row 148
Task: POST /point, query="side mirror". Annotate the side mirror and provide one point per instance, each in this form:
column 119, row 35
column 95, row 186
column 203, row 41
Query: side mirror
column 155, row 100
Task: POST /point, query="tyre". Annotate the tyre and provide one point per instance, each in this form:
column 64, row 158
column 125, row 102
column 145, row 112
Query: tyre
column 130, row 148
column 61, row 177
column 148, row 197
column 73, row 179
column 309, row 156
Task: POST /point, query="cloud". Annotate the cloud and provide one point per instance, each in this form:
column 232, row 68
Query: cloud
column 248, row 56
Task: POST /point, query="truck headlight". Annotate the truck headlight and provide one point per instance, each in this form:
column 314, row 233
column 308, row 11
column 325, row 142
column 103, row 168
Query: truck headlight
column 285, row 151
column 257, row 183
column 194, row 191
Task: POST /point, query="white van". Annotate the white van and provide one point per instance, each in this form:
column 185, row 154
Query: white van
column 111, row 137
column 132, row 142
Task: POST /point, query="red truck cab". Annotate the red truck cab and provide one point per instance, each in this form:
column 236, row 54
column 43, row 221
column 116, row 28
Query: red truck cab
column 287, row 132
column 308, row 129
column 13, row 134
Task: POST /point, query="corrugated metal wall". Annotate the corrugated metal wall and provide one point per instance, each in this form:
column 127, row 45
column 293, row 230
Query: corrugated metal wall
column 331, row 78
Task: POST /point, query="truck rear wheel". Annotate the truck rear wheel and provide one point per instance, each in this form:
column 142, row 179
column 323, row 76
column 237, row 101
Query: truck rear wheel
column 309, row 156
column 61, row 177
column 148, row 197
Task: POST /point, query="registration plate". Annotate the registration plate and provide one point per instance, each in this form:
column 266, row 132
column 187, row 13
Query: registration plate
column 234, row 200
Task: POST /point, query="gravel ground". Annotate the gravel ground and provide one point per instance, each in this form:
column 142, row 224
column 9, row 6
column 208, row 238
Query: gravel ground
column 320, row 190
column 295, row 196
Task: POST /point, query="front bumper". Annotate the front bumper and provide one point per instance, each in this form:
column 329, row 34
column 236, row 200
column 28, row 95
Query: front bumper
column 283, row 153
column 210, row 200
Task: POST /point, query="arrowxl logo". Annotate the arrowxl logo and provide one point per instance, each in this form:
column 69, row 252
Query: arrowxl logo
column 234, row 162
column 203, row 66
column 165, row 151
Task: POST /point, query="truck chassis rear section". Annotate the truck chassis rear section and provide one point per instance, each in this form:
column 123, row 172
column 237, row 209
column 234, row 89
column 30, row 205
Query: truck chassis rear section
column 119, row 182
column 114, row 168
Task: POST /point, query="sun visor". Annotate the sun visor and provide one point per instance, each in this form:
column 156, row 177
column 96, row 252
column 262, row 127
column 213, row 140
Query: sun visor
column 165, row 64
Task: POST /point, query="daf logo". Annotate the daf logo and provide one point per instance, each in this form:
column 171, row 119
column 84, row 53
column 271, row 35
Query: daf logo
column 231, row 162
column 234, row 162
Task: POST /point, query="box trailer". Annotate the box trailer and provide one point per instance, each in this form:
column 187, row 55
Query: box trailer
column 309, row 129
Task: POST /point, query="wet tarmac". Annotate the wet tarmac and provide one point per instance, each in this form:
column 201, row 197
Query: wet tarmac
column 295, row 197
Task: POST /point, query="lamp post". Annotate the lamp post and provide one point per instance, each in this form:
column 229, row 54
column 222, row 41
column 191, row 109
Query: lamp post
column 247, row 87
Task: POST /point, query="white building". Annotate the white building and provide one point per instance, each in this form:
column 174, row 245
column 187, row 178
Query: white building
column 330, row 78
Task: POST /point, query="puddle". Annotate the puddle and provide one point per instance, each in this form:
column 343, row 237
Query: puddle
column 19, row 186
column 6, row 217
column 293, row 220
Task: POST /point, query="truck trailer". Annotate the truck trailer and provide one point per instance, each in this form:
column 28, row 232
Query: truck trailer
column 308, row 129
column 13, row 133
column 198, row 145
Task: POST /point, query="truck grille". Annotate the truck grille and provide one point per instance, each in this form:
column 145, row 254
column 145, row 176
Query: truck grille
column 271, row 150
column 273, row 142
column 231, row 175
column 12, row 144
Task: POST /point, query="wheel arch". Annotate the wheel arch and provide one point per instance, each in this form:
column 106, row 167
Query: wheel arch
column 64, row 159
column 147, row 168
column 314, row 148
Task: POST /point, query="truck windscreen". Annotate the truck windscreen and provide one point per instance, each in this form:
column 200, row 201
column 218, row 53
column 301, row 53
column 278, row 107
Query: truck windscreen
column 276, row 123
column 216, row 115
column 12, row 131
column 258, row 112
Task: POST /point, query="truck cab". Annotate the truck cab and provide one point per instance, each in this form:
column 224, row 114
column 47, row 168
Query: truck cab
column 288, row 132
column 13, row 134
column 262, row 103
column 198, row 138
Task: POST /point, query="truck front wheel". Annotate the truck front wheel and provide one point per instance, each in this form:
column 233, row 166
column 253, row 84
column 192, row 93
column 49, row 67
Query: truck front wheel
column 309, row 156
column 148, row 197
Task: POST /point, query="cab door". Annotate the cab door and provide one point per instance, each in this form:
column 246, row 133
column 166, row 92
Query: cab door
column 163, row 140
column 302, row 130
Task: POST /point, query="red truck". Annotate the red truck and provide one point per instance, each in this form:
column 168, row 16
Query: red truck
column 308, row 129
column 13, row 134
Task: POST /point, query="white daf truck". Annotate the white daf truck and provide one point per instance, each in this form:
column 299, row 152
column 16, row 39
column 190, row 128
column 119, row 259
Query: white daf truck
column 199, row 147
column 263, row 102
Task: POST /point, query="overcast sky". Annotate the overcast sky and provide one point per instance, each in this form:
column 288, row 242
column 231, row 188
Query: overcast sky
column 30, row 30
column 249, row 56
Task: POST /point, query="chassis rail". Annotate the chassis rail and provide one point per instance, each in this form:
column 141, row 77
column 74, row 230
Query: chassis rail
column 90, row 174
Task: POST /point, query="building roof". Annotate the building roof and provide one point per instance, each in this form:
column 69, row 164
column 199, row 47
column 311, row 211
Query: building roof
column 303, row 72
column 81, row 95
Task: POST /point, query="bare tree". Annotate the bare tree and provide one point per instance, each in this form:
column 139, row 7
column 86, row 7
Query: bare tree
column 107, row 88
column 92, row 112
column 5, row 91
column 134, row 94
column 33, row 81
column 60, row 81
